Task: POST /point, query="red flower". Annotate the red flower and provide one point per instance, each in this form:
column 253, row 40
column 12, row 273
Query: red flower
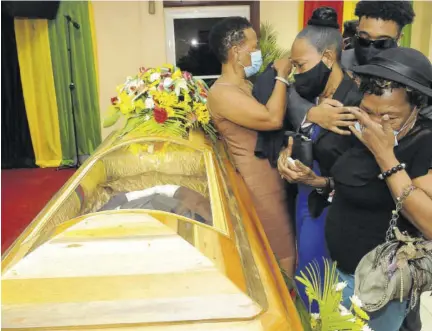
column 160, row 115
column 114, row 100
column 142, row 70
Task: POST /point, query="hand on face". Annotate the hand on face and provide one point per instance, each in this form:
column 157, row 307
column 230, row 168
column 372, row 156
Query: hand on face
column 283, row 67
column 378, row 138
column 294, row 171
column 331, row 115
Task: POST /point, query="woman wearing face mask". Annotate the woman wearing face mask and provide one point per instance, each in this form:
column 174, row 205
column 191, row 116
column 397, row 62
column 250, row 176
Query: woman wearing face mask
column 238, row 116
column 319, row 78
column 392, row 158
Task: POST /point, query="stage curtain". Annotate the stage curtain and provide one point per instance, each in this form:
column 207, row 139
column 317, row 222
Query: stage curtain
column 39, row 90
column 86, row 99
column 348, row 11
column 17, row 149
column 310, row 6
column 93, row 34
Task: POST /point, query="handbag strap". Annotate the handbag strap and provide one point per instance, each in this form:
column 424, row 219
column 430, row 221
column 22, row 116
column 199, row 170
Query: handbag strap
column 395, row 213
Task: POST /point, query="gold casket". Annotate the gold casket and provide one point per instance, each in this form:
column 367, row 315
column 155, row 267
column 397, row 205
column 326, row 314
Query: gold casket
column 78, row 268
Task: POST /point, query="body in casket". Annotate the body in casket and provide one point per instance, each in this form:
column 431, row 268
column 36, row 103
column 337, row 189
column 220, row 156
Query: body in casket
column 196, row 260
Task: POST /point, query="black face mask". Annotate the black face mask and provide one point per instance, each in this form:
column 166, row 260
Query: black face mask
column 366, row 49
column 311, row 83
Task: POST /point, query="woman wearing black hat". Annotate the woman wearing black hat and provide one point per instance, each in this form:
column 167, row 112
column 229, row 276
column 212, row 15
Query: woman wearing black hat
column 393, row 158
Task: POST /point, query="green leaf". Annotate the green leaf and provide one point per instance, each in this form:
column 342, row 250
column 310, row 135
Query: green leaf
column 268, row 44
column 112, row 117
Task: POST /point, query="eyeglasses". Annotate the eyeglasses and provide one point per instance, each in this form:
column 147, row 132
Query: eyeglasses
column 378, row 44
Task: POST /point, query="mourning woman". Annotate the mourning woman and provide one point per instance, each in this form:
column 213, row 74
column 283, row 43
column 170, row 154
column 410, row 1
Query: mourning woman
column 319, row 78
column 392, row 158
column 238, row 115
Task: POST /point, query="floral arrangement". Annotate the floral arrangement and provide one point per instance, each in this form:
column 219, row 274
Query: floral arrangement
column 161, row 101
column 332, row 316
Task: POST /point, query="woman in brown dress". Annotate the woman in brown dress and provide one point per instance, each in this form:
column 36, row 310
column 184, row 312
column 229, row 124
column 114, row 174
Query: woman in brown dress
column 238, row 116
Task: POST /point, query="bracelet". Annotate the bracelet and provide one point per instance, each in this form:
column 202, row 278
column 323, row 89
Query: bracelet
column 328, row 188
column 321, row 190
column 392, row 171
column 283, row 80
column 405, row 193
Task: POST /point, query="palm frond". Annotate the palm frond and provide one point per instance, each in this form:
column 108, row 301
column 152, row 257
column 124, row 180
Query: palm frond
column 269, row 46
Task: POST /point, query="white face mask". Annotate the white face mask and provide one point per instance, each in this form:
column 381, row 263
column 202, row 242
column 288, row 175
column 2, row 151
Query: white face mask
column 256, row 63
column 359, row 127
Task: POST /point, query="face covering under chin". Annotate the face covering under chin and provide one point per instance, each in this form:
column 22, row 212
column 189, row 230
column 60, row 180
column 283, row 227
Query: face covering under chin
column 310, row 84
column 359, row 127
column 256, row 63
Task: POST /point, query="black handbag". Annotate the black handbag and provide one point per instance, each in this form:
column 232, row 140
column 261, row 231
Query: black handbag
column 302, row 148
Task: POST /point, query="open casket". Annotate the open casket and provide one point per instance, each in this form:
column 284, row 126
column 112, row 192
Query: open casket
column 81, row 267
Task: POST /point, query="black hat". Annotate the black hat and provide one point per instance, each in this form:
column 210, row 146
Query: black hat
column 406, row 66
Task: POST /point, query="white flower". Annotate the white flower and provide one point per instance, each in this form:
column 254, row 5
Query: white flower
column 343, row 311
column 315, row 316
column 356, row 301
column 340, row 286
column 149, row 103
column 181, row 84
column 154, row 76
column 167, row 83
column 366, row 328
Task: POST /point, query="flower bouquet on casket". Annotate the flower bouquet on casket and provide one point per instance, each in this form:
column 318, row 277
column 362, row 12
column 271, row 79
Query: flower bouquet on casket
column 332, row 315
column 163, row 101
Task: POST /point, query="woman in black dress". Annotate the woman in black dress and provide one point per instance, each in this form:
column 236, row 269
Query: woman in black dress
column 397, row 84
column 316, row 54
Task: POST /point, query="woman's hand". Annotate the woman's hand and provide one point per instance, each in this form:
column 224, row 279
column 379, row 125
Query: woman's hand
column 379, row 139
column 295, row 171
column 283, row 67
column 330, row 114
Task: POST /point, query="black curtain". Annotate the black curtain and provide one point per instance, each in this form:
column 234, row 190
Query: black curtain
column 17, row 149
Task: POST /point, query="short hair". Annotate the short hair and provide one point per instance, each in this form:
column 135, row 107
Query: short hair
column 377, row 86
column 400, row 12
column 322, row 31
column 227, row 33
column 350, row 28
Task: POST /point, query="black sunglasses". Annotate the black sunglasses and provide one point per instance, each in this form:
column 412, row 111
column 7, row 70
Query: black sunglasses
column 378, row 44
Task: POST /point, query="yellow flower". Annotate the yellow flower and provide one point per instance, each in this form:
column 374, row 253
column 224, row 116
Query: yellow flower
column 177, row 74
column 165, row 99
column 170, row 111
column 168, row 66
column 126, row 104
column 184, row 105
column 139, row 105
column 202, row 113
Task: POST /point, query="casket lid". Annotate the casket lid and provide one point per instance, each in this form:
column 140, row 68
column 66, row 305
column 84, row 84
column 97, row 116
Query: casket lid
column 118, row 269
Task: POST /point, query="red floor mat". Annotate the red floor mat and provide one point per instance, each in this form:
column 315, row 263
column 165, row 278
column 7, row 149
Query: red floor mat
column 24, row 193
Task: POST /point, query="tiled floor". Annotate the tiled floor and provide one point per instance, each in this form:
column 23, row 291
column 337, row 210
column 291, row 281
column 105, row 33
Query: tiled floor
column 426, row 311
